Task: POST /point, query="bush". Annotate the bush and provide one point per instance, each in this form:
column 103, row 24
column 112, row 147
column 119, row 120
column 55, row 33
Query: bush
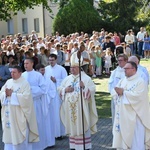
column 77, row 16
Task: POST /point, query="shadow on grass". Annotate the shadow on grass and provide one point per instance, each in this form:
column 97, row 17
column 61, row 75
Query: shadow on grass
column 103, row 104
column 103, row 76
column 97, row 83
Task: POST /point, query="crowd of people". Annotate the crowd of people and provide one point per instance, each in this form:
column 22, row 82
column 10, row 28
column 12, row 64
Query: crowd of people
column 46, row 69
column 99, row 56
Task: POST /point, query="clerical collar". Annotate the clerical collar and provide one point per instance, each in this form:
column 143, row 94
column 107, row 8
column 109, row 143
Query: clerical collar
column 75, row 76
column 133, row 77
column 31, row 70
column 120, row 69
column 54, row 66
column 17, row 80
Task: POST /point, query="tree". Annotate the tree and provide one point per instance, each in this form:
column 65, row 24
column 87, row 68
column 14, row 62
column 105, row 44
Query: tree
column 64, row 2
column 91, row 2
column 144, row 13
column 77, row 16
column 8, row 8
column 121, row 15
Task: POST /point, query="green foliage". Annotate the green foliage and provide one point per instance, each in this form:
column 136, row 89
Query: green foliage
column 8, row 8
column 91, row 2
column 63, row 3
column 144, row 14
column 121, row 15
column 77, row 16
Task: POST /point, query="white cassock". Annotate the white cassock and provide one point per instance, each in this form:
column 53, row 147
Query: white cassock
column 38, row 86
column 18, row 116
column 115, row 77
column 146, row 74
column 131, row 129
column 48, row 110
column 71, row 110
column 59, row 73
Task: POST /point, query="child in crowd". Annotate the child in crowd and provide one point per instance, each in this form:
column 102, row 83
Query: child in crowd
column 99, row 55
column 93, row 61
column 128, row 50
column 108, row 63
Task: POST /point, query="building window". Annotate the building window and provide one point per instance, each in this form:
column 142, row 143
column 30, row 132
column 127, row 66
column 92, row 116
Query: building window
column 10, row 26
column 36, row 25
column 24, row 25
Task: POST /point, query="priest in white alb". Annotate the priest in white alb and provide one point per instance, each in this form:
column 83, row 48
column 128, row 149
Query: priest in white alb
column 38, row 86
column 56, row 73
column 131, row 129
column 70, row 112
column 18, row 114
column 116, row 75
column 48, row 108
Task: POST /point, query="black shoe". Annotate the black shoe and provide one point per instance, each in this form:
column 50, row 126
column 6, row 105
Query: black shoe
column 59, row 138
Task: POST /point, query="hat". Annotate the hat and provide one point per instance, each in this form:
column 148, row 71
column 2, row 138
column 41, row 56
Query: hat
column 107, row 37
column 74, row 60
column 57, row 44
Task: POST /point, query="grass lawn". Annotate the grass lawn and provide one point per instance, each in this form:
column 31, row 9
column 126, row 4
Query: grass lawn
column 102, row 96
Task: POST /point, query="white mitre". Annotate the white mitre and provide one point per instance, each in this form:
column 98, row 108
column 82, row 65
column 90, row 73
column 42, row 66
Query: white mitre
column 74, row 60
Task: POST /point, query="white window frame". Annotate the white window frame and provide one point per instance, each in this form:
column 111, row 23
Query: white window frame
column 36, row 25
column 10, row 26
column 24, row 25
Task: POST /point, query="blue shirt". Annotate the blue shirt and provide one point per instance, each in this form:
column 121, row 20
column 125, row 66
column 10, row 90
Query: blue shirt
column 4, row 74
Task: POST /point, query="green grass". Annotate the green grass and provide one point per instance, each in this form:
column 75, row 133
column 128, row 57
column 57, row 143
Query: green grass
column 102, row 96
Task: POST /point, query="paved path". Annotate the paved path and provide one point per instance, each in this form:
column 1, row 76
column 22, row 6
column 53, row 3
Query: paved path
column 102, row 140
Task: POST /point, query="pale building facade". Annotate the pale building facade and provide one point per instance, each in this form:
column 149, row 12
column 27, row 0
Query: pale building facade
column 37, row 19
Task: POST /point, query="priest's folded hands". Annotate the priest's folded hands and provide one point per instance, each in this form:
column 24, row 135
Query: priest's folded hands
column 69, row 89
column 119, row 91
column 8, row 92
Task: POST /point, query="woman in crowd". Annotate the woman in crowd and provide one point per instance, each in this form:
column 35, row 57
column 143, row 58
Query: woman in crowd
column 146, row 45
column 67, row 57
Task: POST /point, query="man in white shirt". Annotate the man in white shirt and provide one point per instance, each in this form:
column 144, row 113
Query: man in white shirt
column 129, row 39
column 86, row 58
column 140, row 38
column 40, row 43
column 56, row 73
